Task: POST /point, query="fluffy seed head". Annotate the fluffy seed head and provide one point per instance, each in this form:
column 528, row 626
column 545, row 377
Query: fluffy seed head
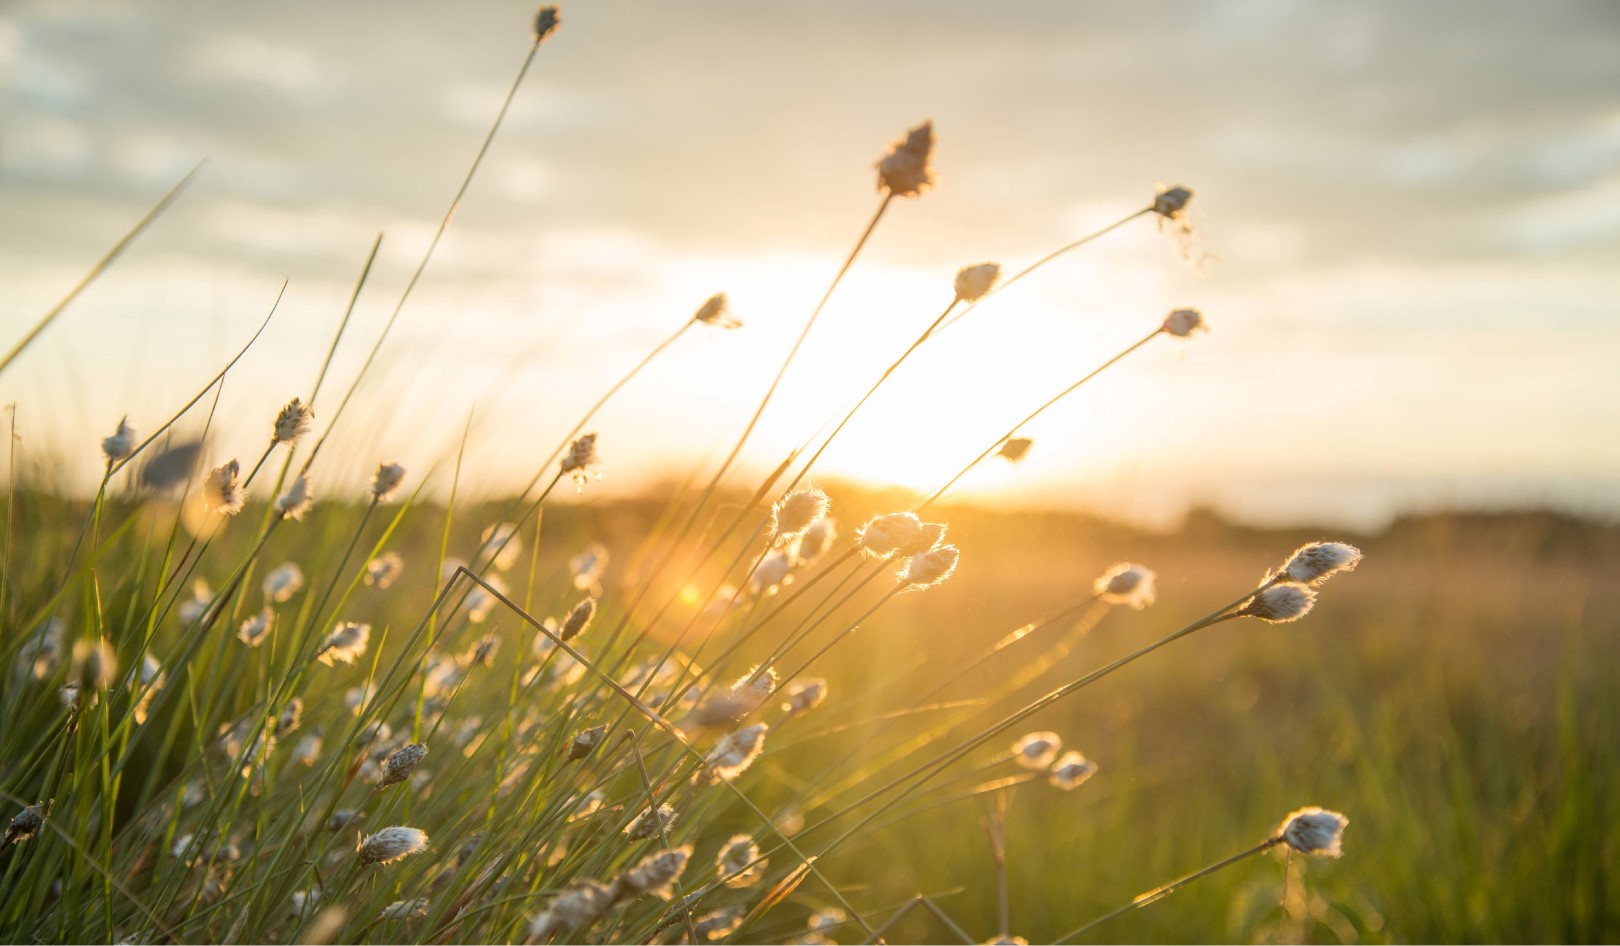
column 1014, row 449
column 1037, row 750
column 1315, row 563
column 500, row 546
column 736, row 751
column 578, row 619
column 222, row 492
column 386, row 480
column 546, row 22
column 904, row 171
column 585, row 741
column 404, row 909
column 716, row 925
column 798, row 511
column 1126, row 583
column 292, row 422
column 25, row 824
column 384, row 569
column 121, row 444
column 574, row 908
column 1184, row 322
column 804, row 695
column 816, row 541
column 296, row 500
column 94, row 664
column 716, row 312
column 401, row 763
column 1171, row 202
column 291, row 715
column 826, row 919
column 650, row 824
column 771, row 572
column 256, row 628
column 889, row 534
column 657, row 873
column 975, row 282
column 392, row 844
column 1279, row 604
column 930, row 568
column 1314, row 831
column 346, row 642
column 580, row 458
column 736, row 862
column 1071, row 769
column 283, row 581
column 587, row 566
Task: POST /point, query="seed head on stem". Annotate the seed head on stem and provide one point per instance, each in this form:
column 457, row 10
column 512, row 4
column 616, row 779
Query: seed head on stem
column 1314, row 831
column 292, row 422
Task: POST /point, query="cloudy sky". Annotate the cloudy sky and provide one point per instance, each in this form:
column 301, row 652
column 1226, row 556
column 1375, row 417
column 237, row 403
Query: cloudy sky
column 1410, row 212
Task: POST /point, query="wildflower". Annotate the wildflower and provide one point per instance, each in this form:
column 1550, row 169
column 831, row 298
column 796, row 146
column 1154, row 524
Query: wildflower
column 576, row 907
column 194, row 608
column 1171, row 203
column 308, row 750
column 1014, row 449
column 1279, row 604
column 816, row 541
column 121, row 444
column 716, row 925
column 649, row 824
column 501, row 546
column 546, row 22
column 1037, row 750
column 283, row 581
column 1314, row 831
column 804, row 696
column 401, row 763
column 889, row 534
column 1070, row 770
column 587, row 566
column 975, row 282
column 221, row 490
column 586, row 741
column 346, row 642
column 930, row 568
column 581, row 457
column 736, row 751
column 404, row 909
column 1315, row 563
column 25, row 824
column 296, row 500
column 904, row 171
column 771, row 572
column 1126, row 583
column 798, row 511
column 716, row 312
column 291, row 715
column 739, row 863
column 292, row 422
column 94, row 664
column 578, row 619
column 391, row 844
column 382, row 570
column 1183, row 323
column 657, row 873
column 386, row 480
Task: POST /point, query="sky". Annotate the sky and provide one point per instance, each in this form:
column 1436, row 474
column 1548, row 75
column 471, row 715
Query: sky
column 1408, row 225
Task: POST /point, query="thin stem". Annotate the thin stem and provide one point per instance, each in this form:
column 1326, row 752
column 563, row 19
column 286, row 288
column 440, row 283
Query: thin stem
column 1159, row 893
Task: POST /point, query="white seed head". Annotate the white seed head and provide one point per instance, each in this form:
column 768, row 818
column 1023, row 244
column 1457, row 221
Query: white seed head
column 930, row 568
column 194, row 608
column 222, row 491
column 716, row 312
column 587, row 566
column 42, row 653
column 296, row 500
column 975, row 282
column 1315, row 563
column 736, row 751
column 546, row 22
column 816, row 541
column 255, row 628
column 404, row 909
column 1126, row 583
column 307, row 751
column 283, row 581
column 1037, row 750
column 798, row 511
column 905, row 170
column 657, row 873
column 826, row 919
column 383, row 570
column 890, row 534
column 400, row 763
column 94, row 664
column 1070, row 770
column 346, row 642
column 771, row 573
column 388, row 478
column 121, row 444
column 580, row 458
column 1315, row 831
column 578, row 619
column 585, row 742
column 1184, row 322
column 292, row 422
column 25, row 824
column 291, row 716
column 739, row 863
column 303, row 901
column 650, row 825
column 574, row 908
column 1171, row 201
column 1014, row 449
column 392, row 844
column 804, row 695
column 716, row 925
column 500, row 546
column 1279, row 604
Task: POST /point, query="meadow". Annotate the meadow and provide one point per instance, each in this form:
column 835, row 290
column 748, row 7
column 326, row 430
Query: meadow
column 245, row 702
